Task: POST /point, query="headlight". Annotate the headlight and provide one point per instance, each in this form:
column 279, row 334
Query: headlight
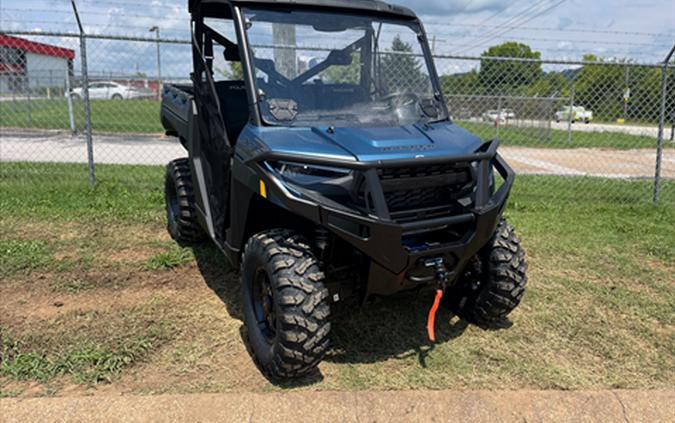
column 327, row 181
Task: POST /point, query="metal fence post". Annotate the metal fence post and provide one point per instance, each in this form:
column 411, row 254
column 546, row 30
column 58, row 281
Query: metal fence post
column 30, row 107
column 69, row 99
column 499, row 114
column 662, row 123
column 85, row 98
column 570, row 114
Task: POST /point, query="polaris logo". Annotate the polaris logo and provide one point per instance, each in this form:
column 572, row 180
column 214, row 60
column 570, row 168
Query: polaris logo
column 408, row 147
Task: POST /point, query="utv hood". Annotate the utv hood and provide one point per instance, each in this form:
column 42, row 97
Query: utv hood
column 374, row 144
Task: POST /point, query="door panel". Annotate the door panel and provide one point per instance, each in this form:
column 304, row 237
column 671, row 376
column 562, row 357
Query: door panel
column 212, row 151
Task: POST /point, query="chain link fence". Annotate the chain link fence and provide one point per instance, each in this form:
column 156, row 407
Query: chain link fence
column 605, row 128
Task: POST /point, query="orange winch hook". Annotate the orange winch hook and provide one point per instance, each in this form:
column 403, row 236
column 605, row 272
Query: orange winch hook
column 431, row 320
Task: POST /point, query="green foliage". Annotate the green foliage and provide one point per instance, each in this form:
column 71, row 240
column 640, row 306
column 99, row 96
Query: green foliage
column 400, row 70
column 601, row 89
column 462, row 84
column 597, row 87
column 506, row 77
column 236, row 71
column 350, row 74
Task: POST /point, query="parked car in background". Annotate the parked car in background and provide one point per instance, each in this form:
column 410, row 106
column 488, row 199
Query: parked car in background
column 503, row 115
column 463, row 113
column 578, row 114
column 110, row 90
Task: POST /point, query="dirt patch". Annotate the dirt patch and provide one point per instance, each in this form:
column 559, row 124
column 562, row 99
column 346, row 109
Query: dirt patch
column 41, row 302
column 126, row 255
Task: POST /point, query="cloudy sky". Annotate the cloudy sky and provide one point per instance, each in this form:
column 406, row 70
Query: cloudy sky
column 643, row 30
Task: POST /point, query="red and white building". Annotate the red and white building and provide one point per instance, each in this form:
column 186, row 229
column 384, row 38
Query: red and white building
column 28, row 65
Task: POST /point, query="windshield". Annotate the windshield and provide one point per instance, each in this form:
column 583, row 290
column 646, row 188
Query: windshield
column 335, row 69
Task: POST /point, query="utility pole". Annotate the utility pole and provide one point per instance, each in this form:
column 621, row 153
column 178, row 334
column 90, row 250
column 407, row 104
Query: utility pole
column 155, row 29
column 284, row 40
column 626, row 95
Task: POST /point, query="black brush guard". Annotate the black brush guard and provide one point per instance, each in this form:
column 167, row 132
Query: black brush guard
column 384, row 238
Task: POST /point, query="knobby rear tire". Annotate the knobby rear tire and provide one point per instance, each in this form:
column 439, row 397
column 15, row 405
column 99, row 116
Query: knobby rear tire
column 180, row 203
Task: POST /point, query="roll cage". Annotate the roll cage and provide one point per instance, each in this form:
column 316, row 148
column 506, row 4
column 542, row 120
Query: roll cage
column 203, row 38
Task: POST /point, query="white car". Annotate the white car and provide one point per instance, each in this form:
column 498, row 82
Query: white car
column 110, row 90
column 575, row 113
column 504, row 115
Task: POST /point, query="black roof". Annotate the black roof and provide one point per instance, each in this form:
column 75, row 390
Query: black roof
column 374, row 6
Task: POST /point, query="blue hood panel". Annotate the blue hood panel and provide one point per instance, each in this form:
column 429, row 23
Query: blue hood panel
column 373, row 144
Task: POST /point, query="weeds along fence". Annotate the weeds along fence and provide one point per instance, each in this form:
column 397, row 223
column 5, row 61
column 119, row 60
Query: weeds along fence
column 604, row 128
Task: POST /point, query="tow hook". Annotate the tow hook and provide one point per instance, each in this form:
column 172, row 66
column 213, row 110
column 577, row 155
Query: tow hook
column 441, row 274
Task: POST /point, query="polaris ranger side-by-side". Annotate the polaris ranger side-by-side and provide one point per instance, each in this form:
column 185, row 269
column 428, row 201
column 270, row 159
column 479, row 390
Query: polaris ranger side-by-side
column 322, row 161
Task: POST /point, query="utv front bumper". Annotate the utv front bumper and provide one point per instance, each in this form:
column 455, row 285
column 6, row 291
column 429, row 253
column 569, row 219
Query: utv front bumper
column 398, row 250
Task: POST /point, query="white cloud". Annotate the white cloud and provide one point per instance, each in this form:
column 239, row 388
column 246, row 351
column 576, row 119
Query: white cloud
column 443, row 18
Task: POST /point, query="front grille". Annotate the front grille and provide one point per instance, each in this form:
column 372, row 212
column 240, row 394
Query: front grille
column 417, row 198
column 417, row 171
column 422, row 192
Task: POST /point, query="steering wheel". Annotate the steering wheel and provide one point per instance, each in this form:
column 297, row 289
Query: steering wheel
column 401, row 98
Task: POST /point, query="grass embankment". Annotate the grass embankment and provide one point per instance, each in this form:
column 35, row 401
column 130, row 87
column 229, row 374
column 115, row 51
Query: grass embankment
column 509, row 134
column 121, row 116
column 95, row 296
column 142, row 116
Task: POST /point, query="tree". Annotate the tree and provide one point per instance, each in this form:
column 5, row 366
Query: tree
column 461, row 84
column 400, row 70
column 601, row 88
column 551, row 84
column 349, row 74
column 506, row 76
column 234, row 73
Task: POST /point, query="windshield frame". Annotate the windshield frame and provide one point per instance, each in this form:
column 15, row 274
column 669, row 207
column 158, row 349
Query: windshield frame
column 414, row 24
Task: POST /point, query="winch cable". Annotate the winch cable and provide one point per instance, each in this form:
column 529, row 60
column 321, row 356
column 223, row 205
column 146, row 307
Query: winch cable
column 441, row 276
column 431, row 320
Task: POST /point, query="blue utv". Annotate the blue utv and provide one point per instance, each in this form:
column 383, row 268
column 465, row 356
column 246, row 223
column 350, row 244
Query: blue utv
column 322, row 161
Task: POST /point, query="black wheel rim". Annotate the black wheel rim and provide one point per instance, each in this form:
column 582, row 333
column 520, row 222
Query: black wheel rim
column 263, row 305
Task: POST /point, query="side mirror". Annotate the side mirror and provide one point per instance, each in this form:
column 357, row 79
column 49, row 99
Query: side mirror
column 232, row 54
column 340, row 58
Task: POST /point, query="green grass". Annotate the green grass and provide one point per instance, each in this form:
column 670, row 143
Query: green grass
column 171, row 258
column 107, row 115
column 535, row 137
column 24, row 255
column 598, row 312
column 61, row 192
column 92, row 348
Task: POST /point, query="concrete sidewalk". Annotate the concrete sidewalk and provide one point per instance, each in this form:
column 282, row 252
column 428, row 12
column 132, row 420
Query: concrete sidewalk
column 56, row 146
column 395, row 406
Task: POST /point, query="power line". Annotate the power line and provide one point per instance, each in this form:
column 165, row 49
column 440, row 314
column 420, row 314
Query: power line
column 558, row 40
column 496, row 14
column 528, row 19
column 510, row 20
column 68, row 12
column 432, row 23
